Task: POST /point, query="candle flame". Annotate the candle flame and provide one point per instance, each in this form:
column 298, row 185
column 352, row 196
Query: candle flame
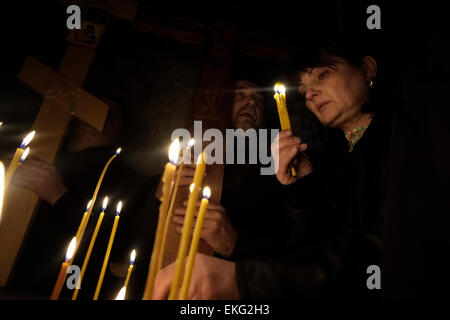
column 71, row 249
column 174, row 150
column 276, row 87
column 118, row 150
column 119, row 208
column 132, row 256
column 105, row 203
column 191, row 143
column 206, row 192
column 27, row 140
column 121, row 295
column 191, row 187
column 1, row 123
column 89, row 205
column 279, row 88
column 25, row 155
column 2, row 187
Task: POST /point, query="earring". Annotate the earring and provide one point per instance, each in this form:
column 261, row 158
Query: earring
column 370, row 82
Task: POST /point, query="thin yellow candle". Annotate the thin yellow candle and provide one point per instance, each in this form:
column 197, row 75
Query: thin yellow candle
column 94, row 198
column 89, row 251
column 82, row 223
column 285, row 122
column 121, row 294
column 2, row 187
column 168, row 175
column 171, row 208
column 187, row 225
column 63, row 271
column 194, row 243
column 130, row 268
column 108, row 251
column 15, row 162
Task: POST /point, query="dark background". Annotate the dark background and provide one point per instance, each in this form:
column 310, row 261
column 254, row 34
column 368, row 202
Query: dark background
column 153, row 77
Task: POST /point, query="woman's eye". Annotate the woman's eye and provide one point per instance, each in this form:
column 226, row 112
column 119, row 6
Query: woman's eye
column 322, row 75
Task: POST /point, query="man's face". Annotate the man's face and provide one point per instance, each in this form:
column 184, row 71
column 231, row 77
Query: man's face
column 247, row 106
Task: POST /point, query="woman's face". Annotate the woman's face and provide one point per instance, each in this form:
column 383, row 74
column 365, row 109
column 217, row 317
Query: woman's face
column 336, row 96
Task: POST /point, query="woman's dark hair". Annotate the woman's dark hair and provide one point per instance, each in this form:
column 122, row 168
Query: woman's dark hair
column 326, row 52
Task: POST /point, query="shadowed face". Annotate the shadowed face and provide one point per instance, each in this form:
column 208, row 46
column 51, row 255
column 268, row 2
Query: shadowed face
column 247, row 106
column 336, row 95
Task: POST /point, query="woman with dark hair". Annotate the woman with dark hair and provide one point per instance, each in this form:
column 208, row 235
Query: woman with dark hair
column 333, row 231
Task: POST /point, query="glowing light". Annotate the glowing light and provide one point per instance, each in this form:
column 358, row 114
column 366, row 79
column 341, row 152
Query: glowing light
column 105, row 203
column 71, row 249
column 191, row 187
column 118, row 150
column 174, row 150
column 121, row 295
column 89, row 205
column 27, row 140
column 206, row 192
column 25, row 155
column 119, row 208
column 132, row 256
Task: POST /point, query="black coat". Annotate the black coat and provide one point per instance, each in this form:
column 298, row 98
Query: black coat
column 333, row 225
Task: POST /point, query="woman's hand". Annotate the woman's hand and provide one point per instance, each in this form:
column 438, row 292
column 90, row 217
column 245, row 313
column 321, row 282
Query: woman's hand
column 285, row 148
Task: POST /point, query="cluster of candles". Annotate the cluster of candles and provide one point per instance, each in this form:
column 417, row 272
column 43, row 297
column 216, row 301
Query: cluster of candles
column 170, row 189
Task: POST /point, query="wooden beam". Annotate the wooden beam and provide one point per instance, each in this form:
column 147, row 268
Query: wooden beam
column 74, row 99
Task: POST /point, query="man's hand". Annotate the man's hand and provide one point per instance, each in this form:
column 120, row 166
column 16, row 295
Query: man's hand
column 290, row 147
column 217, row 230
column 212, row 279
column 40, row 177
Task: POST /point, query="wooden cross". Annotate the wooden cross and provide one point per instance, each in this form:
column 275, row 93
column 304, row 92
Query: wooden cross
column 63, row 99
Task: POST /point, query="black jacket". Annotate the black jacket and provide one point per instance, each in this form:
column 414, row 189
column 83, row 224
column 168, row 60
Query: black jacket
column 333, row 225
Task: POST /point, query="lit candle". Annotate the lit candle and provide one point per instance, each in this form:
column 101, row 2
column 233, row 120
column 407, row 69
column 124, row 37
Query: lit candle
column 168, row 175
column 108, row 251
column 187, row 225
column 121, row 294
column 2, row 187
column 194, row 243
column 82, row 226
column 91, row 246
column 63, row 271
column 285, row 122
column 171, row 208
column 18, row 156
column 130, row 268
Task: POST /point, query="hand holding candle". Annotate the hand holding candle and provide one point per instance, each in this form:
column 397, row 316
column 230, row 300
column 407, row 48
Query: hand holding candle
column 168, row 175
column 108, row 251
column 285, row 122
column 63, row 271
column 171, row 208
column 186, row 232
column 194, row 243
